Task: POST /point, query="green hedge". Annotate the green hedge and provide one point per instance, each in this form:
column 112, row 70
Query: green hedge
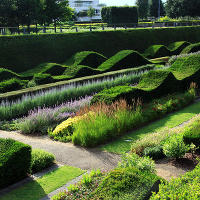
column 191, row 48
column 6, row 74
column 120, row 15
column 127, row 183
column 185, row 187
column 12, row 84
column 157, row 83
column 177, row 47
column 15, row 161
column 21, row 53
column 122, row 60
column 156, row 51
column 88, row 58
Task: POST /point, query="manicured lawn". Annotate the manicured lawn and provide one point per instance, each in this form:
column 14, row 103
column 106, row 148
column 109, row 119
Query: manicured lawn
column 39, row 188
column 123, row 144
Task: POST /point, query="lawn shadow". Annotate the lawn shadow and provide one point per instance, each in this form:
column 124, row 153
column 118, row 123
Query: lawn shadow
column 28, row 191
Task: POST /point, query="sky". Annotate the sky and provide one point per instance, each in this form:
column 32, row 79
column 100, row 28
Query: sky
column 119, row 2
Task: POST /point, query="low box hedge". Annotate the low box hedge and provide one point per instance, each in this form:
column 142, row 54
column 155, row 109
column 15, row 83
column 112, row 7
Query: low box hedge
column 15, row 161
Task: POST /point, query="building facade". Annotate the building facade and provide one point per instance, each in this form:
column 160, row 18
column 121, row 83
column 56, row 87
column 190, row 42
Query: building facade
column 81, row 7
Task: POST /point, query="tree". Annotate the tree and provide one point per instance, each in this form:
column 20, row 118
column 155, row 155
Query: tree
column 143, row 7
column 153, row 8
column 91, row 13
column 182, row 8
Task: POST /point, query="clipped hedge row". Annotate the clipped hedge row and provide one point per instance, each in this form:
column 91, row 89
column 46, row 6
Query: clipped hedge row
column 120, row 15
column 21, row 53
column 15, row 161
column 157, row 83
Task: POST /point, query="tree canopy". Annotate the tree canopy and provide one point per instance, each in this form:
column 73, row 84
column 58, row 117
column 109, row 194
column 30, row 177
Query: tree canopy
column 27, row 12
column 182, row 8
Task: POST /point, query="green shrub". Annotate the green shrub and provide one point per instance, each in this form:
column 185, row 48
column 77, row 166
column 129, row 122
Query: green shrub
column 124, row 181
column 41, row 160
column 57, row 48
column 191, row 48
column 122, row 60
column 88, row 58
column 174, row 147
column 185, row 187
column 152, row 85
column 154, row 152
column 6, row 74
column 42, row 78
column 53, row 69
column 177, row 47
column 191, row 133
column 15, row 161
column 12, row 84
column 156, row 51
column 79, row 71
column 120, row 15
column 133, row 160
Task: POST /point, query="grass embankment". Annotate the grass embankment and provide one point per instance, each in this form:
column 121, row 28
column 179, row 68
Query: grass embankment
column 40, row 187
column 172, row 120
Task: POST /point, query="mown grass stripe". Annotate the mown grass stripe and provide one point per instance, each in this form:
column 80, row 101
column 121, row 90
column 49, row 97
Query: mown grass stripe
column 39, row 188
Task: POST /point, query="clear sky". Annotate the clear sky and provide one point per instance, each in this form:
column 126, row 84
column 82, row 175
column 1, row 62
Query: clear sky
column 119, row 2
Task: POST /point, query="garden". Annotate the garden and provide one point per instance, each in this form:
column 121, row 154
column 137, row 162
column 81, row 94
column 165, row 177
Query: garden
column 138, row 101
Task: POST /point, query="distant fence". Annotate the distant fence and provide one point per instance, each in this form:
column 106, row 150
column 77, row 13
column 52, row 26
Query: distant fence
column 82, row 28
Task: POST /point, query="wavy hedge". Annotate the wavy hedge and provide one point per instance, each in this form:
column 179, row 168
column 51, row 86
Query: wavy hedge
column 122, row 60
column 88, row 58
column 177, row 47
column 21, row 53
column 156, row 51
column 191, row 48
column 157, row 83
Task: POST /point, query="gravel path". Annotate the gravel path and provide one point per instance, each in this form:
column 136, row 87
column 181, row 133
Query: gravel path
column 67, row 153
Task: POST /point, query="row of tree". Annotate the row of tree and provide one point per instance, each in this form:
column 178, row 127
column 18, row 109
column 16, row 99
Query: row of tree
column 27, row 12
column 172, row 8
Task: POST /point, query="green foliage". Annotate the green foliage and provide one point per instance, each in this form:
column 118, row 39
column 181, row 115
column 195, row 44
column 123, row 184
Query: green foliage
column 177, row 47
column 156, row 51
column 12, row 84
column 6, row 74
column 52, row 69
column 41, row 160
column 152, row 85
column 123, row 59
column 191, row 133
column 57, row 48
column 191, row 48
column 182, row 8
column 102, row 127
column 153, row 8
column 154, row 152
column 15, row 161
column 123, row 181
column 120, row 15
column 174, row 147
column 88, row 58
column 185, row 187
column 40, row 78
column 141, row 163
column 80, row 71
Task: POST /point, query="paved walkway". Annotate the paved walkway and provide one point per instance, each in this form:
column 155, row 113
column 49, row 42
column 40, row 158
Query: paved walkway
column 67, row 153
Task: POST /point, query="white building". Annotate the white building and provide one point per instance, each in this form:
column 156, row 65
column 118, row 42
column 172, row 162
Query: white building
column 81, row 6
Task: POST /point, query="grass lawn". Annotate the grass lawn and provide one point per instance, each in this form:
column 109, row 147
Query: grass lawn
column 39, row 188
column 123, row 144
